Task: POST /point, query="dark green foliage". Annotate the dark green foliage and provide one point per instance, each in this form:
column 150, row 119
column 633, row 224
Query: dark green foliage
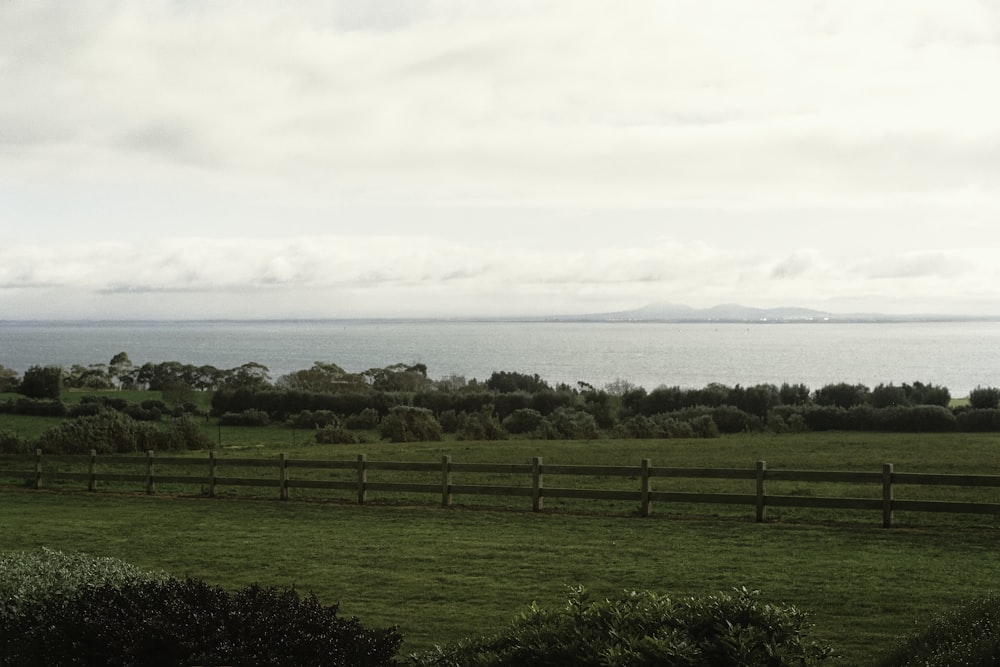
column 523, row 420
column 34, row 407
column 481, row 425
column 173, row 622
column 984, row 398
column 315, row 419
column 107, row 432
column 366, row 420
column 245, row 418
column 505, row 382
column 42, row 382
column 569, row 424
column 888, row 395
column 793, row 394
column 657, row 426
column 337, row 435
column 12, row 443
column 409, row 424
column 842, row 395
column 641, row 629
column 8, row 380
column 111, row 431
column 966, row 637
column 978, row 420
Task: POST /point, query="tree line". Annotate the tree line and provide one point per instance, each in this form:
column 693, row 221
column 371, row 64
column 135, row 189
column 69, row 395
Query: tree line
column 402, row 403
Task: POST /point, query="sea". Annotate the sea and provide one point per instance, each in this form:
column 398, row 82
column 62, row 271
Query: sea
column 958, row 355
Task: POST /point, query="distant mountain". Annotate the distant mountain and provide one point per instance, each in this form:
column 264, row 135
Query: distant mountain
column 727, row 312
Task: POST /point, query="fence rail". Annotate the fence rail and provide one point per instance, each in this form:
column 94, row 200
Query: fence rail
column 88, row 469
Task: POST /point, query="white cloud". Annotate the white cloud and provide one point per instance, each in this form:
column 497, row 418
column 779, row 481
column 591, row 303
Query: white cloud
column 559, row 152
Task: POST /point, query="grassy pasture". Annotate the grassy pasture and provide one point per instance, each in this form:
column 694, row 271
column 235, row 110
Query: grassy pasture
column 441, row 574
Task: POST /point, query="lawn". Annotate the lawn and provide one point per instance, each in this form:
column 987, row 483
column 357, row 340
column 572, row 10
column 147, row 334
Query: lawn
column 441, row 574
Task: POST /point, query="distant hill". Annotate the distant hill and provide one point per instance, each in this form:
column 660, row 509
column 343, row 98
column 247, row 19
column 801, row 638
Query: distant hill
column 727, row 312
column 733, row 312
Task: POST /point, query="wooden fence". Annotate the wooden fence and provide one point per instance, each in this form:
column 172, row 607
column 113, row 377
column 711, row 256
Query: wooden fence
column 441, row 476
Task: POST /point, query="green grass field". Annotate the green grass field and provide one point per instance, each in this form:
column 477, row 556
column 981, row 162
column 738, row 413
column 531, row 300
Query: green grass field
column 441, row 574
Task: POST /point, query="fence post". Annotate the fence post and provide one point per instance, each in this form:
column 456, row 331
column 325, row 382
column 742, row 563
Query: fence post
column 150, row 487
column 362, row 479
column 446, row 481
column 92, row 471
column 644, row 477
column 761, row 470
column 38, row 468
column 536, row 484
column 212, row 463
column 282, row 477
column 887, row 495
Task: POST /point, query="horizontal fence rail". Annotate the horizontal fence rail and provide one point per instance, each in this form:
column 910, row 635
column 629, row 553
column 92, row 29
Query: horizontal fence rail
column 149, row 470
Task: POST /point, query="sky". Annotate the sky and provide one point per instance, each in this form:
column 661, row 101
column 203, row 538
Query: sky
column 191, row 159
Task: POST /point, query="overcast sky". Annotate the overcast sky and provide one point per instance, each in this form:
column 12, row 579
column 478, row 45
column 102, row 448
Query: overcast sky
column 192, row 159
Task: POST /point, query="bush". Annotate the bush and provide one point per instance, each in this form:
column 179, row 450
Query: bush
column 366, row 420
column 12, row 443
column 967, row 636
column 174, row 622
column 978, row 420
column 984, row 398
column 644, row 628
column 32, row 577
column 408, row 424
column 569, row 424
column 107, row 432
column 523, row 420
column 481, row 425
column 337, row 435
column 41, row 382
column 34, row 407
column 657, row 426
column 245, row 418
column 314, row 419
column 177, row 434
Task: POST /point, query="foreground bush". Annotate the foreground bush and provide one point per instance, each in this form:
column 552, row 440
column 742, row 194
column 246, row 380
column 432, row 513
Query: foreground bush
column 110, row 432
column 967, row 637
column 173, row 622
column 31, row 577
column 640, row 629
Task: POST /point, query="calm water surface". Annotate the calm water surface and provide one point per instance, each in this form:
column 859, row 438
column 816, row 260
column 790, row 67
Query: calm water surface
column 958, row 355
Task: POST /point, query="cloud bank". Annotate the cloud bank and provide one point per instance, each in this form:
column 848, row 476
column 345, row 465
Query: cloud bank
column 437, row 158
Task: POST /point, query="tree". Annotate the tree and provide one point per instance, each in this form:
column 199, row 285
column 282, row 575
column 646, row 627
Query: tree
column 42, row 382
column 984, row 398
column 8, row 380
column 120, row 368
column 321, row 378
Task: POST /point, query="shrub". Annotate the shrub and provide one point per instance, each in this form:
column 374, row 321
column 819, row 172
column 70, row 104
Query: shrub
column 842, row 395
column 34, row 407
column 657, row 426
column 969, row 635
column 337, row 435
column 178, row 433
column 107, row 432
column 174, row 622
column 978, row 420
column 366, row 420
column 41, row 382
column 314, row 419
column 569, row 424
column 12, row 443
column 644, row 628
column 31, row 577
column 523, row 420
column 984, row 398
column 409, row 424
column 480, row 425
column 245, row 418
